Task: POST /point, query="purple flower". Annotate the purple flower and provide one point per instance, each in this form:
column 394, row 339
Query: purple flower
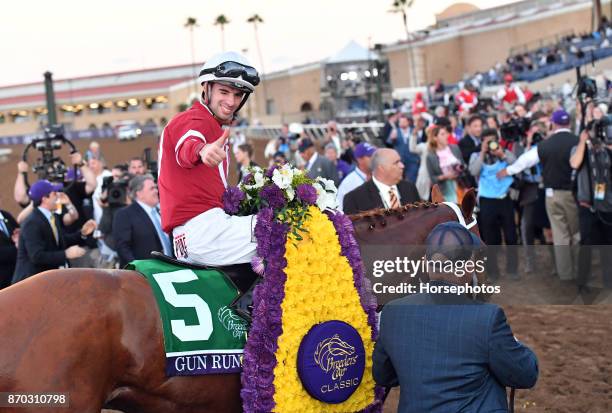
column 273, row 195
column 307, row 194
column 259, row 362
column 258, row 265
column 270, row 171
column 350, row 249
column 231, row 200
column 248, row 179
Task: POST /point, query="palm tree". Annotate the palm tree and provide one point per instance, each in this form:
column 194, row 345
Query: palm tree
column 221, row 21
column 191, row 24
column 402, row 6
column 256, row 19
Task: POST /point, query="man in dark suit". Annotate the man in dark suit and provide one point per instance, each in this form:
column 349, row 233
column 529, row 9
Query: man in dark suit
column 386, row 189
column 317, row 165
column 471, row 142
column 447, row 352
column 9, row 232
column 43, row 243
column 137, row 228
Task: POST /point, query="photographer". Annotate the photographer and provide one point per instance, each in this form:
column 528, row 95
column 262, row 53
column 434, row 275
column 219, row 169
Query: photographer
column 79, row 189
column 72, row 202
column 528, row 183
column 496, row 207
column 113, row 197
column 554, row 154
column 592, row 160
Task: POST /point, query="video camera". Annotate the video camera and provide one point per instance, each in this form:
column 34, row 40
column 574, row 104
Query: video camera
column 150, row 164
column 586, row 87
column 515, row 129
column 600, row 130
column 116, row 190
column 49, row 166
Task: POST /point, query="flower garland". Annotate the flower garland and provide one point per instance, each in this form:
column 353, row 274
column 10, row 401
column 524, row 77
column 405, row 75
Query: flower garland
column 319, row 287
column 288, row 207
column 260, row 354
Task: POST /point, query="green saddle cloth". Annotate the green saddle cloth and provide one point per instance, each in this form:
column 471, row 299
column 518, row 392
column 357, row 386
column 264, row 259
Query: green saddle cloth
column 202, row 334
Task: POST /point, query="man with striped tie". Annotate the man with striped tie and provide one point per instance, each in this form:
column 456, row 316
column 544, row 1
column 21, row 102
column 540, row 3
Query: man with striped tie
column 43, row 243
column 386, row 189
column 137, row 228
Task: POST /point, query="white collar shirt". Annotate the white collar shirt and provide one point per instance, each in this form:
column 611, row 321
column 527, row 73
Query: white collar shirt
column 312, row 161
column 383, row 190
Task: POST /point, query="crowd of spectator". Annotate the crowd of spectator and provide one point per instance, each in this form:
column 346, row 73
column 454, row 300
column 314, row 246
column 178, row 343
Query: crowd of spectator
column 521, row 153
column 515, row 152
column 565, row 53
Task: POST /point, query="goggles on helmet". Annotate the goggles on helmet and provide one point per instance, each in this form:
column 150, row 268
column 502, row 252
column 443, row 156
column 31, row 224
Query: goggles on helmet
column 234, row 70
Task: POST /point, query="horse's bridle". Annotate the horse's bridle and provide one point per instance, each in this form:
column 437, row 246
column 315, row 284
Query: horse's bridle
column 460, row 217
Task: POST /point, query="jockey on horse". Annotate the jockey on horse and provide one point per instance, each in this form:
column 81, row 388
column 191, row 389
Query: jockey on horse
column 193, row 168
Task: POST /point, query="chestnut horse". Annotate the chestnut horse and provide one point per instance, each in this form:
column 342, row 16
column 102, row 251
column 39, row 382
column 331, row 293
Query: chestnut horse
column 97, row 335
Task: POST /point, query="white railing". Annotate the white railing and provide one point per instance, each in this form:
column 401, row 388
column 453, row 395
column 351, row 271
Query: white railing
column 369, row 131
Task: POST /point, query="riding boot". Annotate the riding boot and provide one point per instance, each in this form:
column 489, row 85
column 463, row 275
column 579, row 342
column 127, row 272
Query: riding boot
column 243, row 304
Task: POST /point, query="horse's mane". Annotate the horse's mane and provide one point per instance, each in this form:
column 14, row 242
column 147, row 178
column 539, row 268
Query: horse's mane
column 381, row 212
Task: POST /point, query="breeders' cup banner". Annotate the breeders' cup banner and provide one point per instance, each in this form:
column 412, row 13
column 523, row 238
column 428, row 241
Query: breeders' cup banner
column 502, row 274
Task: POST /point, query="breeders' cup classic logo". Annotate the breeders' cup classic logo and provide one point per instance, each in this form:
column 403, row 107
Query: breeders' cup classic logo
column 234, row 324
column 334, row 355
column 331, row 361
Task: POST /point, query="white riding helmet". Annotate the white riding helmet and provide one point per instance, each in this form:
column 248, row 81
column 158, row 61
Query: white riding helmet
column 232, row 69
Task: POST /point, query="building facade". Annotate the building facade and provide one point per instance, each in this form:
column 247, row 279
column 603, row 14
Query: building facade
column 464, row 40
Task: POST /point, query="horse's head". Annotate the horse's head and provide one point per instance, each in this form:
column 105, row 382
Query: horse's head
column 468, row 203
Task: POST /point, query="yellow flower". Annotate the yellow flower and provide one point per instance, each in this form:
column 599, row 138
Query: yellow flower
column 319, row 288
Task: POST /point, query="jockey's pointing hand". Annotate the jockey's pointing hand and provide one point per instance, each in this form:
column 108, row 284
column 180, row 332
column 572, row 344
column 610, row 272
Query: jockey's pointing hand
column 214, row 153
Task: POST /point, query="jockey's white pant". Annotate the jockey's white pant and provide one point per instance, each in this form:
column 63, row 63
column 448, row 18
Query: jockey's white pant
column 215, row 238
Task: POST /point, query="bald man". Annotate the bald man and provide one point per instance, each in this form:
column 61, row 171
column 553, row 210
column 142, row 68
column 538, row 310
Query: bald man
column 386, row 189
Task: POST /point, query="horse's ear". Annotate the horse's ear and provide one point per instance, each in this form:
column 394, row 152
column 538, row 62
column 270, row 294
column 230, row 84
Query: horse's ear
column 468, row 203
column 436, row 194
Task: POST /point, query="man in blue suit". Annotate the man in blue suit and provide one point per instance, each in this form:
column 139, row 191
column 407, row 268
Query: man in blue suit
column 137, row 228
column 447, row 352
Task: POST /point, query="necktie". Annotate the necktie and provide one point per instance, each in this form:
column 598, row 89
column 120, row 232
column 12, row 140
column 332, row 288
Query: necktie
column 54, row 228
column 393, row 201
column 3, row 226
column 165, row 241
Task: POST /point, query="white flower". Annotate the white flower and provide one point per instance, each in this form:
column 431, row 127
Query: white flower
column 325, row 199
column 259, row 179
column 282, row 177
column 290, row 193
column 328, row 184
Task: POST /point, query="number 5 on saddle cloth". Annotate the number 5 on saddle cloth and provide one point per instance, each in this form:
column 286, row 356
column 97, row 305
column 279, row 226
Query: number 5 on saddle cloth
column 205, row 313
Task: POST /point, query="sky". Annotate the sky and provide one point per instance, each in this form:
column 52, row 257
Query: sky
column 81, row 38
